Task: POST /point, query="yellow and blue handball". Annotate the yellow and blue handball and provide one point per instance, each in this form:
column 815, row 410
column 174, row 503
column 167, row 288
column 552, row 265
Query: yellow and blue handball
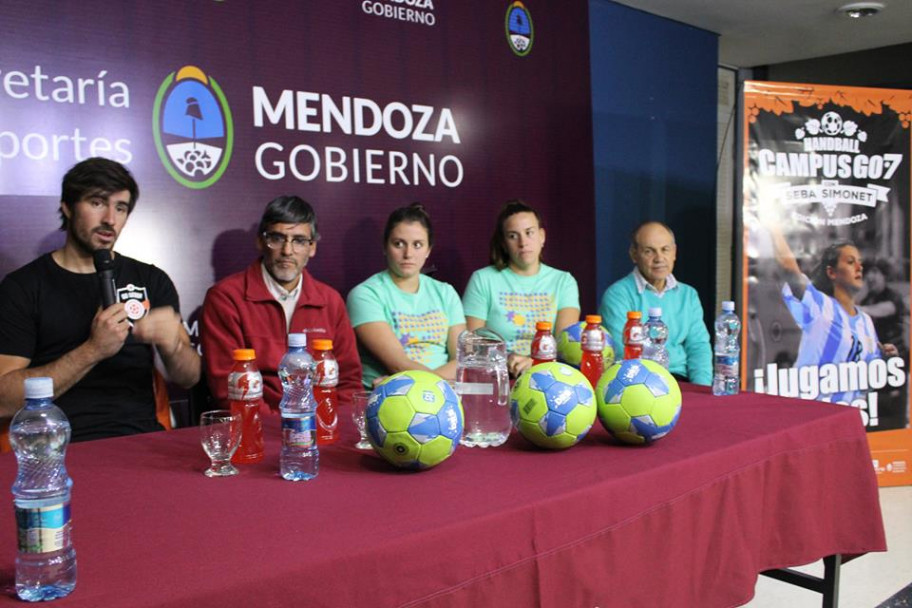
column 552, row 405
column 570, row 351
column 414, row 419
column 638, row 401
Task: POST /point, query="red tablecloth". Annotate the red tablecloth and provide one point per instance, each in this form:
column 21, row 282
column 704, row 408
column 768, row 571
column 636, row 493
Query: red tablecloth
column 743, row 484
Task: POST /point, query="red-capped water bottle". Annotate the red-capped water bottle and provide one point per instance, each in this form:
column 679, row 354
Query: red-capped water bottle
column 245, row 395
column 592, row 343
column 326, row 379
column 633, row 335
column 544, row 346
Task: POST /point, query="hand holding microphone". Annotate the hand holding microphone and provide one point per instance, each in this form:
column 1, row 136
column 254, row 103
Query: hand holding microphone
column 109, row 327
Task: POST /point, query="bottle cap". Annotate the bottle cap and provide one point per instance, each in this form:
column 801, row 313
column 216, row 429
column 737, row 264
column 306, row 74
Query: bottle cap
column 728, row 306
column 634, row 314
column 595, row 319
column 39, row 388
column 243, row 354
column 323, row 344
column 543, row 326
column 655, row 311
column 297, row 340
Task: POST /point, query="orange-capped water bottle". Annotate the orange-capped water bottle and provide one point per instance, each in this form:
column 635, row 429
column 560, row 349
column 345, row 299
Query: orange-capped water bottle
column 544, row 346
column 592, row 343
column 633, row 335
column 245, row 395
column 326, row 379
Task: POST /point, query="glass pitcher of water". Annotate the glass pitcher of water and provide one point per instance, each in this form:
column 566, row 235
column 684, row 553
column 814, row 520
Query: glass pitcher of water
column 483, row 386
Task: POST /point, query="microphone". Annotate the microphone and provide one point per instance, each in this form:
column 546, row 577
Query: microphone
column 104, row 266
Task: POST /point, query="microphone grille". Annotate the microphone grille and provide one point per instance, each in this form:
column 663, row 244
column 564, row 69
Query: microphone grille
column 102, row 259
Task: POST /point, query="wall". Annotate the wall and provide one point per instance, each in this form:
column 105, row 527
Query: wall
column 654, row 139
column 888, row 67
column 522, row 119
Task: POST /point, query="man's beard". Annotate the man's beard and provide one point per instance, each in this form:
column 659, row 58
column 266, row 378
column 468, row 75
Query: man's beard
column 83, row 245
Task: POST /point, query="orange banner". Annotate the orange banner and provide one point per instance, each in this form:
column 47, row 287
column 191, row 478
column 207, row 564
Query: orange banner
column 826, row 262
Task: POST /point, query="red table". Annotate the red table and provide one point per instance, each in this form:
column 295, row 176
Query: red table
column 743, row 484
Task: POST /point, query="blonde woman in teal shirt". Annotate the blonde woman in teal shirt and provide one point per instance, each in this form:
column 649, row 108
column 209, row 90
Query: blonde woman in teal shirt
column 518, row 290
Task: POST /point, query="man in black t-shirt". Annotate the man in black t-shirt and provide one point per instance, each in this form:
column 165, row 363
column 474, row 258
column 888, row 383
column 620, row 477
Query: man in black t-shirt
column 52, row 322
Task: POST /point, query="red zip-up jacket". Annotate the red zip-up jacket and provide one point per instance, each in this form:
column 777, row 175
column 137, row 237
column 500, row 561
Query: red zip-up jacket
column 239, row 312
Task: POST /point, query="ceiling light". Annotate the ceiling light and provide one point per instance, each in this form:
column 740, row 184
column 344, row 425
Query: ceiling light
column 857, row 10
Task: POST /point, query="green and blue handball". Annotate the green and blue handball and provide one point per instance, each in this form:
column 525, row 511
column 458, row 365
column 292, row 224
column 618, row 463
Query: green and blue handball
column 552, row 405
column 639, row 401
column 414, row 420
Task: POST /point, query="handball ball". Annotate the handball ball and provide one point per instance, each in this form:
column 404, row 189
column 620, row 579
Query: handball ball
column 570, row 351
column 552, row 405
column 638, row 401
column 414, row 419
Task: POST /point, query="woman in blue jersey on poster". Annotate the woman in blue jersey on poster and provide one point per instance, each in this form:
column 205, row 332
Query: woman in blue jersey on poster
column 403, row 319
column 834, row 329
column 517, row 290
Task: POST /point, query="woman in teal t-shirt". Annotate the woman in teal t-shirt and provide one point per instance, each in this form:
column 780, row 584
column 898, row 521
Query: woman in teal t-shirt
column 402, row 318
column 518, row 290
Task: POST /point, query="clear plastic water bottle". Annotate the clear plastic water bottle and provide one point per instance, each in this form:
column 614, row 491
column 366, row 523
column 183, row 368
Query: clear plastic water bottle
column 39, row 434
column 727, row 350
column 299, row 458
column 656, row 334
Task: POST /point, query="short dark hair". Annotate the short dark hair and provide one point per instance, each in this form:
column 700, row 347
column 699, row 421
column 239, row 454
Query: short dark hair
column 641, row 225
column 411, row 213
column 96, row 176
column 500, row 257
column 288, row 209
column 828, row 259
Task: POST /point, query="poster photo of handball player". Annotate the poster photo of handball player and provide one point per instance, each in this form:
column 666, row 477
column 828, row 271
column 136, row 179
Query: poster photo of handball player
column 826, row 248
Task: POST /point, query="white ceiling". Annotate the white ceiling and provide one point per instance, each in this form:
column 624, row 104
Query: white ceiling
column 764, row 32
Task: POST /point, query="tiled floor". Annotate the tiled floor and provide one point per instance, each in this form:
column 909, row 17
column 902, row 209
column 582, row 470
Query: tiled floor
column 865, row 582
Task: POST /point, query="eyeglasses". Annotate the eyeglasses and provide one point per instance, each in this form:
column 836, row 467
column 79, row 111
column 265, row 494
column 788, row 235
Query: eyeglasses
column 277, row 240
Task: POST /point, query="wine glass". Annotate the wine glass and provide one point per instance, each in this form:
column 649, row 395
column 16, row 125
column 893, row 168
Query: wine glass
column 220, row 434
column 359, row 407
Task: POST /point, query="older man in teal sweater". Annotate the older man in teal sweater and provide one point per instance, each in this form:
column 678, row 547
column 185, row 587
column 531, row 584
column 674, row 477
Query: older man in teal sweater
column 653, row 250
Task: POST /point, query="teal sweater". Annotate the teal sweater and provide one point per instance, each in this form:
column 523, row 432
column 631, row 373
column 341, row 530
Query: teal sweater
column 689, row 353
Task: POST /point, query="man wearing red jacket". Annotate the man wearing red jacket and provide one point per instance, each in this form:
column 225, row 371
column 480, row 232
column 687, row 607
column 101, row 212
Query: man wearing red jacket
column 258, row 307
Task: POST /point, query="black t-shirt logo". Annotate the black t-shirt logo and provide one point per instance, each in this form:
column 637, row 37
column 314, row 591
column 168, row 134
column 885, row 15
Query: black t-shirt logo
column 135, row 300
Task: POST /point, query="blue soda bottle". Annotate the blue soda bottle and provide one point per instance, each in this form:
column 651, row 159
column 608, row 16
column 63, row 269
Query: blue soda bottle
column 299, row 458
column 727, row 351
column 39, row 434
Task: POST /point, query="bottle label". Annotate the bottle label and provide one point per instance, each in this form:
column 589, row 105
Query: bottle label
column 44, row 529
column 545, row 349
column 327, row 373
column 243, row 386
column 592, row 340
column 298, row 432
column 635, row 334
column 726, row 365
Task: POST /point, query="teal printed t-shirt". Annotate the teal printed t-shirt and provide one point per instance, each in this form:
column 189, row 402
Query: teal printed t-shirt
column 511, row 304
column 421, row 321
